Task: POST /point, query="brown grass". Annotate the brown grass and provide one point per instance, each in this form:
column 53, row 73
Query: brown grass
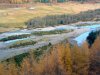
column 23, row 14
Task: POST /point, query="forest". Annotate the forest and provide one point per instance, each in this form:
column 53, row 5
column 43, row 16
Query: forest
column 61, row 59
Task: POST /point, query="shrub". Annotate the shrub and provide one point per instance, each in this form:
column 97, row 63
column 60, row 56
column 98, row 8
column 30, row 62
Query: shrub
column 22, row 43
column 13, row 37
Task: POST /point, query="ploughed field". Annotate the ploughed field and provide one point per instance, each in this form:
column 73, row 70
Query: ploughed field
column 21, row 41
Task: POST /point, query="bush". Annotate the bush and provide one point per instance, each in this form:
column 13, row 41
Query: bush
column 22, row 43
column 15, row 37
column 50, row 32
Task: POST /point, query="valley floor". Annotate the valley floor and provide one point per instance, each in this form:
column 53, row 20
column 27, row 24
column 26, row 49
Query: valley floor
column 43, row 40
column 12, row 18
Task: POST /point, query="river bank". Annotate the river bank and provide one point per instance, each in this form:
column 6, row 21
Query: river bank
column 43, row 40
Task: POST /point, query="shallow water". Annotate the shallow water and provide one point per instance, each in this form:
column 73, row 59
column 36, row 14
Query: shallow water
column 82, row 38
column 91, row 26
column 65, row 27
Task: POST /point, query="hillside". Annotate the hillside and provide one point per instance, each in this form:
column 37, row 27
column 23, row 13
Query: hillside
column 49, row 37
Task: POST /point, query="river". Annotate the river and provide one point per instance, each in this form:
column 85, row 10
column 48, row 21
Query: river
column 79, row 34
column 82, row 38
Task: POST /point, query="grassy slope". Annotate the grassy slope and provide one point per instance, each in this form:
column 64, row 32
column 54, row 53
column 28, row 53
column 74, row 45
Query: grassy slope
column 15, row 18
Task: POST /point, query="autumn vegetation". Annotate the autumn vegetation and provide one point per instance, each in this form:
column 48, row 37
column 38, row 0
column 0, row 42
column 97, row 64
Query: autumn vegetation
column 61, row 59
column 43, row 1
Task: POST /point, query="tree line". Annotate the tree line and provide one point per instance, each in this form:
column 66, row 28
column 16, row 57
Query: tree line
column 32, row 1
column 54, row 20
column 42, row 1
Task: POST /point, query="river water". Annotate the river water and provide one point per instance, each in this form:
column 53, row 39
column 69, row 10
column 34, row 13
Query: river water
column 82, row 38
